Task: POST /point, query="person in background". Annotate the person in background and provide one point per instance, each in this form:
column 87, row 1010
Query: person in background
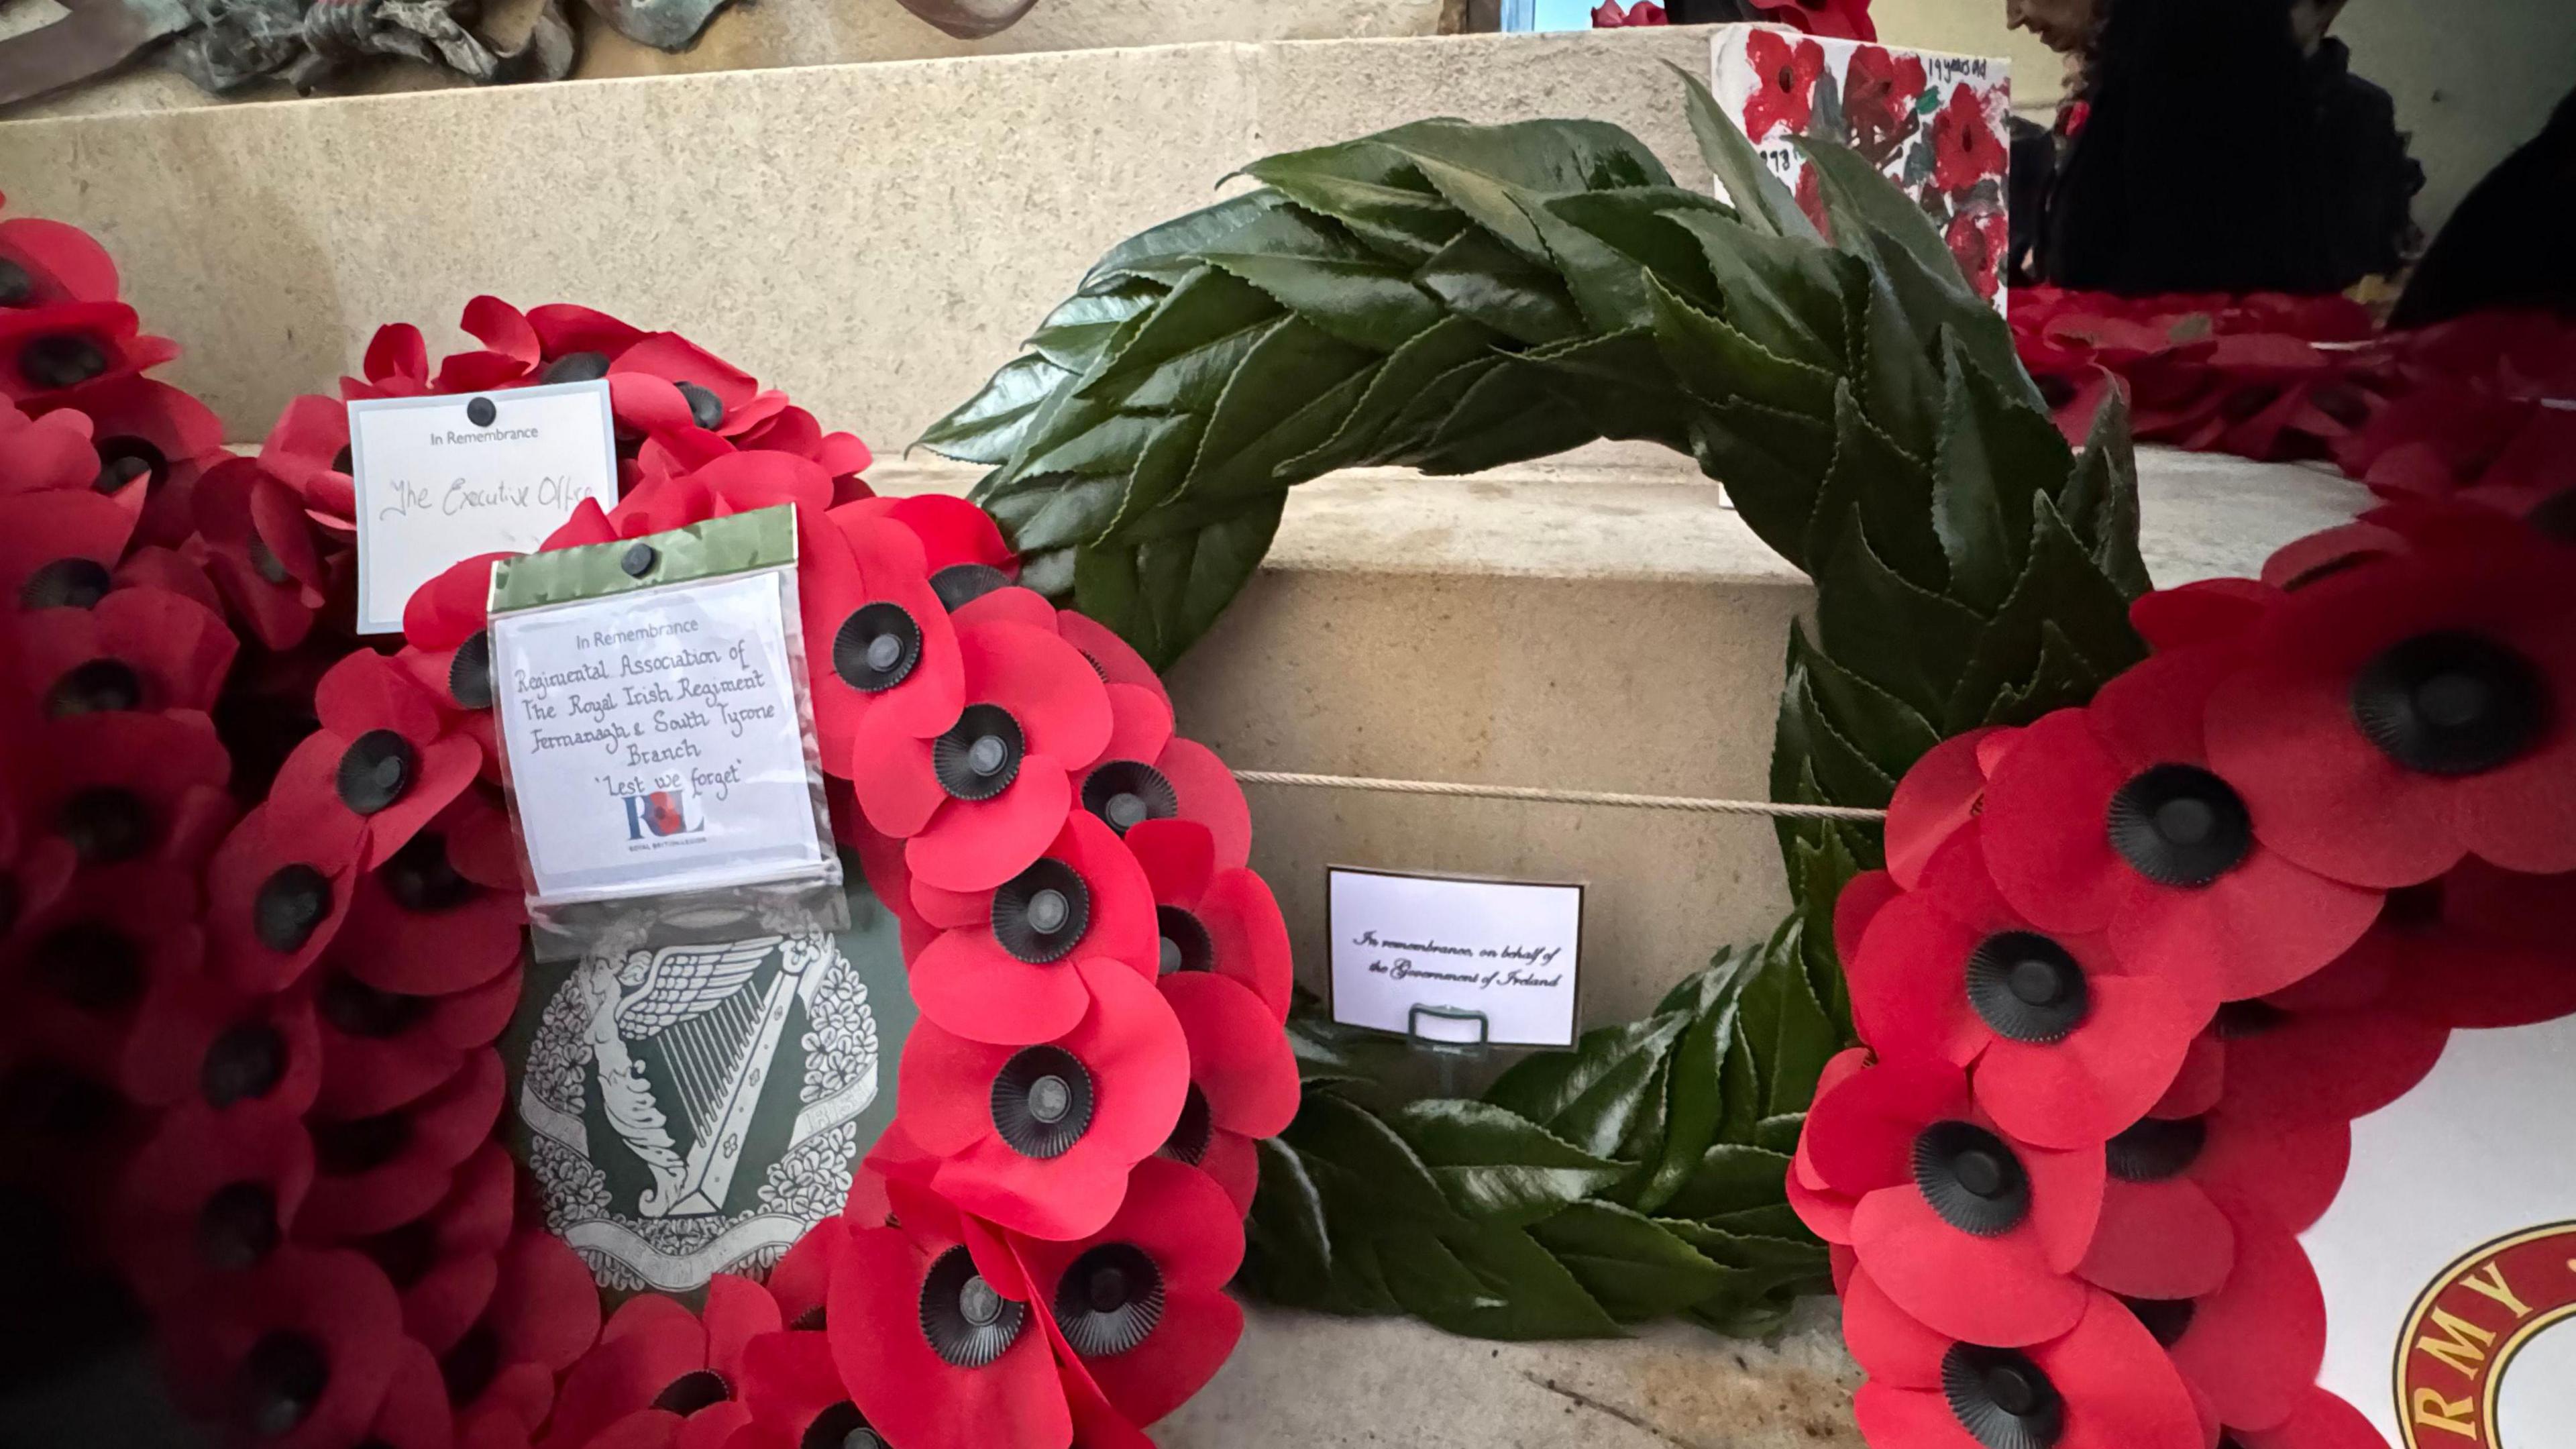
column 2511, row 241
column 2211, row 146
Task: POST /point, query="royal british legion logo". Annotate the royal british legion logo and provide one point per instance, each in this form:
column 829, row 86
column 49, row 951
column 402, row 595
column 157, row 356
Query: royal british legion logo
column 2467, row 1326
column 663, row 813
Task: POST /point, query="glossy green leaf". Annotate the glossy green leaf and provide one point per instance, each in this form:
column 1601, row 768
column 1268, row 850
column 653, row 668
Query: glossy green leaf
column 1630, row 1264
column 1593, row 1095
column 1763, row 199
column 987, row 427
column 1496, row 1165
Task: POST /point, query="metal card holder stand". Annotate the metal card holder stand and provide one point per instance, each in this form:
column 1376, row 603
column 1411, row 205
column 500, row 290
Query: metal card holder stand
column 1449, row 1056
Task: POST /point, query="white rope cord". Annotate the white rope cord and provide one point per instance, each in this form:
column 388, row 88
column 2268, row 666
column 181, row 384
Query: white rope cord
column 1558, row 797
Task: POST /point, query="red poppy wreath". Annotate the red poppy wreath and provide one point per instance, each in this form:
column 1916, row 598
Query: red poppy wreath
column 2134, row 970
column 264, row 926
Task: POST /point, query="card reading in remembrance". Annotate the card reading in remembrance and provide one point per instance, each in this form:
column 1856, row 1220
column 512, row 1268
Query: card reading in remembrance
column 1451, row 960
column 653, row 738
column 441, row 479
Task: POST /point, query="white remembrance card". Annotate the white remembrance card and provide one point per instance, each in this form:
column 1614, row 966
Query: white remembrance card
column 1431, row 955
column 441, row 479
column 2449, row 1258
column 653, row 741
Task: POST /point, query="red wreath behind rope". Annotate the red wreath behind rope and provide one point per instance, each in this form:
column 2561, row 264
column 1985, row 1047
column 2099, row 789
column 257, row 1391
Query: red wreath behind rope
column 263, row 925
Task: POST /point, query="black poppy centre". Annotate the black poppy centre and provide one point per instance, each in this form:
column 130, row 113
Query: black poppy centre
column 1127, row 793
column 245, row 1063
column 66, row 583
column 1186, row 943
column 967, row 1321
column 1109, row 1300
column 95, row 687
column 237, row 1226
column 1194, row 1132
column 2450, row 703
column 1042, row 1100
column 2180, row 826
column 2156, row 1150
column 2027, row 988
column 876, row 648
column 280, row 1380
column 105, row 824
column 1040, row 914
column 2001, row 1398
column 469, row 672
column 421, row 878
column 375, row 771
column 841, row 1426
column 124, row 459
column 58, row 360
column 979, row 756
column 1971, row 1178
column 91, row 965
column 961, row 584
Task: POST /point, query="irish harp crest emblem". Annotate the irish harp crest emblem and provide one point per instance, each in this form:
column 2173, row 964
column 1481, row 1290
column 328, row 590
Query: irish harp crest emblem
column 691, row 1096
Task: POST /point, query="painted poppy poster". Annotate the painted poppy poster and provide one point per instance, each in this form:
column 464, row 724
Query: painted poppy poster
column 1934, row 123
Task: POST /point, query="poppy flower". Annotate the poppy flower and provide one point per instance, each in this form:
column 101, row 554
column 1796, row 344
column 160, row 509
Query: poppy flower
column 934, row 1353
column 2067, row 1048
column 1880, row 89
column 1004, row 971
column 381, row 1049
column 1039, row 1138
column 1140, row 1302
column 962, row 545
column 298, row 1353
column 374, row 1174
column 196, row 1039
column 260, row 550
column 2480, row 947
column 135, row 649
column 508, row 356
column 446, row 1264
column 1944, row 790
column 1243, row 1076
column 2207, row 611
column 2320, row 1421
column 2251, row 1346
column 1969, row 1231
column 152, row 443
column 87, row 965
column 43, row 261
column 802, row 1278
column 980, row 802
column 275, row 897
column 1146, row 772
column 2111, row 819
column 60, row 549
column 1840, row 19
column 792, row 1388
column 2103, row 1384
column 1965, row 149
column 48, row 454
column 2404, row 712
column 444, row 914
column 1224, row 921
column 123, row 785
column 415, row 1412
column 1608, row 15
column 47, row 351
column 2178, row 1189
column 1784, row 93
column 2324, row 1060
column 655, row 1356
column 542, row 1316
column 211, row 1192
column 385, row 755
column 877, row 638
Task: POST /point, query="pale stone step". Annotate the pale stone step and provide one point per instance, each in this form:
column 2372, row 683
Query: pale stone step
column 1599, row 621
column 1318, row 1382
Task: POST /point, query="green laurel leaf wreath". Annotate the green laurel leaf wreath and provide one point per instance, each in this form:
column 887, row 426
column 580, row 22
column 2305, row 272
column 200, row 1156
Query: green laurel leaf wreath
column 1452, row 297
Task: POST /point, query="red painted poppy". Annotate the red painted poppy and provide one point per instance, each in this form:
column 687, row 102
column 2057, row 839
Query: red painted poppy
column 934, row 1338
column 385, row 754
column 1145, row 772
column 1980, row 239
column 1039, row 1139
column 1965, row 149
column 655, row 1356
column 2480, row 947
column 1224, row 921
column 2251, row 1346
column 877, row 638
column 297, row 1354
column 981, row 802
column 122, row 785
column 1968, row 1230
column 542, row 1316
column 1008, row 977
column 444, row 913
column 260, row 550
column 196, row 1039
column 383, row 1049
column 1785, row 96
column 2404, row 712
column 210, row 1193
column 2178, row 1188
column 2111, row 819
column 375, row 1174
column 136, row 649
column 275, row 898
column 1140, row 1302
column 45, row 352
column 1880, row 89
column 2067, row 1048
column 60, row 548
column 43, row 261
column 2103, row 1384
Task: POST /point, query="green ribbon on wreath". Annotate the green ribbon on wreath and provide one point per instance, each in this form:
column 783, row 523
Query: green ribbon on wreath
column 1451, row 297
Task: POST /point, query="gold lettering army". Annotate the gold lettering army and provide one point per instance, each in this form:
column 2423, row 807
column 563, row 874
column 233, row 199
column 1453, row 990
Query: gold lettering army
column 2466, row 1329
